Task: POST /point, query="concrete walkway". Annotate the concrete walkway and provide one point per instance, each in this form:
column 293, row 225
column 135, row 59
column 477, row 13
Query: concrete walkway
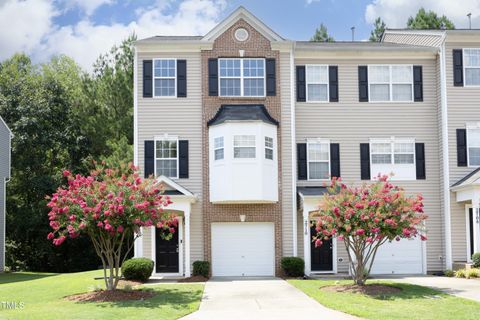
column 465, row 288
column 259, row 298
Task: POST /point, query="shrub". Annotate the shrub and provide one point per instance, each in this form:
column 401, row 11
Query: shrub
column 139, row 269
column 201, row 268
column 472, row 273
column 293, row 266
column 476, row 260
column 449, row 273
column 460, row 273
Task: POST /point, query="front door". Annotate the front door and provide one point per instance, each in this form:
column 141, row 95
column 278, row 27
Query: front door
column 322, row 257
column 166, row 257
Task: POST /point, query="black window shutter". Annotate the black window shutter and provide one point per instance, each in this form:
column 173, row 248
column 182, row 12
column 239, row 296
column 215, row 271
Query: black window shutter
column 182, row 78
column 420, row 160
column 149, row 158
column 365, row 161
column 334, row 160
column 458, row 67
column 213, row 77
column 183, row 159
column 462, row 148
column 417, row 84
column 333, row 83
column 301, row 90
column 271, row 77
column 363, row 84
column 302, row 161
column 147, row 78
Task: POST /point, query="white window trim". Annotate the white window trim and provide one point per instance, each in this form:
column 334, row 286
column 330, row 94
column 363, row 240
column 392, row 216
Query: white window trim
column 307, row 83
column 215, row 149
column 155, row 78
column 242, row 78
column 317, row 141
column 165, row 138
column 467, row 127
column 390, row 83
column 254, row 146
column 269, row 148
column 465, row 68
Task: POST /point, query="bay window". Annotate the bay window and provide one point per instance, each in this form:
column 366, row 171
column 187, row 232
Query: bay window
column 390, row 83
column 269, row 148
column 219, row 148
column 242, row 77
column 243, row 146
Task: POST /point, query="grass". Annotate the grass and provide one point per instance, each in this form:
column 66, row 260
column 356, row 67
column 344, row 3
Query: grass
column 42, row 295
column 413, row 302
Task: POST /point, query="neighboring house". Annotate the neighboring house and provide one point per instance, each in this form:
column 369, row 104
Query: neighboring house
column 244, row 128
column 5, row 145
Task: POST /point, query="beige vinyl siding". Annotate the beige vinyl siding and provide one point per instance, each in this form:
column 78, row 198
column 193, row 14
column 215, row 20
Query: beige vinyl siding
column 428, row 40
column 286, row 154
column 350, row 123
column 463, row 107
column 181, row 117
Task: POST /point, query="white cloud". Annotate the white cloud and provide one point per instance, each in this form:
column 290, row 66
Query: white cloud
column 395, row 13
column 88, row 6
column 311, row 1
column 31, row 21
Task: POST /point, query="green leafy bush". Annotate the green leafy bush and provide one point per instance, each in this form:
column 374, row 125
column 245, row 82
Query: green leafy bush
column 476, row 260
column 201, row 268
column 139, row 269
column 449, row 273
column 460, row 273
column 472, row 273
column 293, row 266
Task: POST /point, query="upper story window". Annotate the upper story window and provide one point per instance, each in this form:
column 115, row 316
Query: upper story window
column 390, row 83
column 166, row 158
column 164, row 73
column 395, row 156
column 268, row 148
column 242, row 77
column 318, row 160
column 244, row 146
column 473, row 145
column 317, row 83
column 219, row 148
column 471, row 65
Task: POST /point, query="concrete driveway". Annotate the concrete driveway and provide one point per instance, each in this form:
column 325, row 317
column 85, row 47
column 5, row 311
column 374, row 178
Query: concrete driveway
column 259, row 298
column 465, row 288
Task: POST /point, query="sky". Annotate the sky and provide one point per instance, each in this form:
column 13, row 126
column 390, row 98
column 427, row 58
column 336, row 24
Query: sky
column 83, row 29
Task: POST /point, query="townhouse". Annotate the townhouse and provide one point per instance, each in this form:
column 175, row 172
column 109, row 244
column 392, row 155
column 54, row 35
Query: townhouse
column 244, row 128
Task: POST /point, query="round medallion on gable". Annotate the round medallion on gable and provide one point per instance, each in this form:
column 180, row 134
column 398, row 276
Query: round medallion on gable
column 241, row 34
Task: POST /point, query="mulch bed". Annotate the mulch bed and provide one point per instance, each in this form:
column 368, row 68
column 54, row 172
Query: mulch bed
column 194, row 279
column 369, row 289
column 111, row 296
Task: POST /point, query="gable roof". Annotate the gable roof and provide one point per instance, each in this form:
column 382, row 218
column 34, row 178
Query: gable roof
column 242, row 13
column 174, row 188
column 470, row 179
column 242, row 112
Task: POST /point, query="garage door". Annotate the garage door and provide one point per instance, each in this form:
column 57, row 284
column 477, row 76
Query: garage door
column 243, row 249
column 399, row 257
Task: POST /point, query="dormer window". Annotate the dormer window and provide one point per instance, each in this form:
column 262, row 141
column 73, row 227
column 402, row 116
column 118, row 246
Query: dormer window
column 244, row 147
column 242, row 77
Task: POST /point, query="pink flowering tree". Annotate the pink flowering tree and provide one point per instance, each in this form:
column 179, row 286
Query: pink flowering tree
column 110, row 206
column 366, row 217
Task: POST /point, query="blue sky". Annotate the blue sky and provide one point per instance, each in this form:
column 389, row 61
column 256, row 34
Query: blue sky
column 83, row 29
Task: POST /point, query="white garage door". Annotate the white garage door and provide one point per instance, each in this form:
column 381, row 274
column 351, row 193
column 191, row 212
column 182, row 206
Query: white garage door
column 243, row 249
column 399, row 257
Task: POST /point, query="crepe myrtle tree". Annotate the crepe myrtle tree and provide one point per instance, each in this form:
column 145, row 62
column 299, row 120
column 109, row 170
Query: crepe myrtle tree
column 366, row 217
column 110, row 205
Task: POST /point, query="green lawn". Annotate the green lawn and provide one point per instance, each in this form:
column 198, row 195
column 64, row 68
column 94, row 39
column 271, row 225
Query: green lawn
column 413, row 302
column 42, row 294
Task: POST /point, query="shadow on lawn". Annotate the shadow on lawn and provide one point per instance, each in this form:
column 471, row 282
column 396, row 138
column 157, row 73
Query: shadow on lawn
column 19, row 277
column 411, row 291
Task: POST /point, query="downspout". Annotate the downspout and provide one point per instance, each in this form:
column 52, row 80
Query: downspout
column 445, row 155
column 293, row 141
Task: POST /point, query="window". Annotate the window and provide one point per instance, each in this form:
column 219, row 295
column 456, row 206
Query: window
column 268, row 148
column 244, row 146
column 164, row 72
column 318, row 155
column 473, row 145
column 166, row 158
column 242, row 77
column 218, row 148
column 393, row 152
column 471, row 62
column 317, row 83
column 390, row 83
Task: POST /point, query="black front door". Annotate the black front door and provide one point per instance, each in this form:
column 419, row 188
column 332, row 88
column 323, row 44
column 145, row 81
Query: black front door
column 470, row 227
column 322, row 257
column 166, row 257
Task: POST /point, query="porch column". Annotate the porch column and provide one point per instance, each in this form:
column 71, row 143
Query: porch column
column 476, row 226
column 138, row 245
column 187, row 241
column 306, row 238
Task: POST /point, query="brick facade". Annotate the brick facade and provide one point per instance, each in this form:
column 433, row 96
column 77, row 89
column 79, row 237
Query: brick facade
column 227, row 46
